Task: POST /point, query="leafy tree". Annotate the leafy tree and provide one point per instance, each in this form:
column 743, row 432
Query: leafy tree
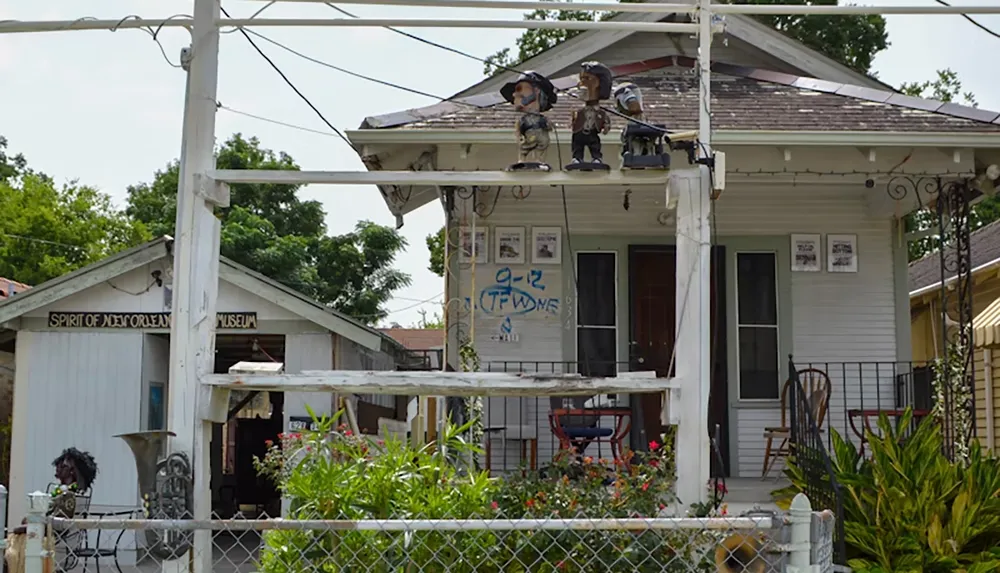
column 435, row 244
column 946, row 87
column 46, row 231
column 270, row 230
column 436, row 322
column 11, row 167
column 851, row 40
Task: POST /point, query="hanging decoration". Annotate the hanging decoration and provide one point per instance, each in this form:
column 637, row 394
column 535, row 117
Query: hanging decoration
column 642, row 144
column 591, row 121
column 532, row 94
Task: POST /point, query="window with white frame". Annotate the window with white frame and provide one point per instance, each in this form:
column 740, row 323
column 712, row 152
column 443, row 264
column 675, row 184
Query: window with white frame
column 757, row 325
column 597, row 313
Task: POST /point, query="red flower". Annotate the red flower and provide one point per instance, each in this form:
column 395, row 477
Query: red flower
column 268, row 443
column 721, row 488
column 561, row 565
column 654, row 463
column 662, row 507
column 645, row 486
column 588, row 460
column 530, row 503
column 654, row 445
column 348, row 433
column 494, row 505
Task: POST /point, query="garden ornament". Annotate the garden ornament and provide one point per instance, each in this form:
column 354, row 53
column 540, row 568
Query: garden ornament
column 532, row 94
column 591, row 121
column 642, row 143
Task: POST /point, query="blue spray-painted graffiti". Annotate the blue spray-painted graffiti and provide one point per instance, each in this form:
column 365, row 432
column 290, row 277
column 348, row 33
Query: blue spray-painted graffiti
column 516, row 295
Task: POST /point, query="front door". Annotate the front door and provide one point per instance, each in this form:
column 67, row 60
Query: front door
column 652, row 287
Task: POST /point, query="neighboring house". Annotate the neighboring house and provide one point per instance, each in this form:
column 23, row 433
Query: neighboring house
column 426, row 344
column 9, row 288
column 928, row 322
column 92, row 354
column 812, row 148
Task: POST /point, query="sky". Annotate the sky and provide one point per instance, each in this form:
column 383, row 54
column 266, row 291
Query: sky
column 105, row 108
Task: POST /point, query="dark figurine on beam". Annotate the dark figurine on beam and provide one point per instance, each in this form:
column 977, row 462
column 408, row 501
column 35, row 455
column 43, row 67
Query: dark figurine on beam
column 642, row 143
column 532, row 94
column 591, row 121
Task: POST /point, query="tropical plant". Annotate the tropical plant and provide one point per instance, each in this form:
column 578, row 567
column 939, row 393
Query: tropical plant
column 908, row 508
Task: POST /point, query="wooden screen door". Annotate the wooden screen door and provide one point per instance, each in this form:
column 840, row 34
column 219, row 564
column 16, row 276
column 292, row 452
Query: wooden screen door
column 652, row 288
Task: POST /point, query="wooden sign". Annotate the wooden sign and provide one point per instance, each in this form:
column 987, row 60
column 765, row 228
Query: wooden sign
column 144, row 320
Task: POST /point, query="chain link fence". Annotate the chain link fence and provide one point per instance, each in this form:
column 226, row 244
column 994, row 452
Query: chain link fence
column 800, row 540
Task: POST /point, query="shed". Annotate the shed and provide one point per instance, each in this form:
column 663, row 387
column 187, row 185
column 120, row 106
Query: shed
column 91, row 355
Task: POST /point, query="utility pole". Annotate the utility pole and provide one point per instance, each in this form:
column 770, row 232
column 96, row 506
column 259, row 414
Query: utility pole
column 195, row 276
column 694, row 291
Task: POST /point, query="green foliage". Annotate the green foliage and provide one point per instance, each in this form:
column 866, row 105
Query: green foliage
column 11, row 166
column 435, row 244
column 908, row 508
column 851, row 40
column 946, row 87
column 332, row 475
column 46, row 231
column 270, row 230
column 534, row 42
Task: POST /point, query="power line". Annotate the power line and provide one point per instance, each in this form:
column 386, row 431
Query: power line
column 339, row 133
column 220, row 105
column 41, row 241
column 974, row 22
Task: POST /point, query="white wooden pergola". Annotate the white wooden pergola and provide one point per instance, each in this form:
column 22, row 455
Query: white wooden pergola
column 199, row 398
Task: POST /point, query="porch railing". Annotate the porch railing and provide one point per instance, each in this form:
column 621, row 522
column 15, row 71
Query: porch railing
column 813, row 460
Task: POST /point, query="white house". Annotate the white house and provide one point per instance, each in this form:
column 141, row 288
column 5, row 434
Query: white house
column 816, row 154
column 91, row 360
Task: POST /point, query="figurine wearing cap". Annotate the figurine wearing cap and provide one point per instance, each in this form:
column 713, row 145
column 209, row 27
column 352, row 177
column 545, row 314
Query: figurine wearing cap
column 532, row 94
column 590, row 121
column 642, row 143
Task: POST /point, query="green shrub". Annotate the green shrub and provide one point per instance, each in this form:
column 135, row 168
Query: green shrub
column 908, row 508
column 330, row 474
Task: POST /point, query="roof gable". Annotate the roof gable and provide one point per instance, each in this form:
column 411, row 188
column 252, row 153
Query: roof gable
column 741, row 27
column 255, row 283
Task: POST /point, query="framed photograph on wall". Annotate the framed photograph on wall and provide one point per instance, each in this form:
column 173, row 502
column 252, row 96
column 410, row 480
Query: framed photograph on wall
column 806, row 251
column 510, row 245
column 842, row 253
column 546, row 245
column 480, row 246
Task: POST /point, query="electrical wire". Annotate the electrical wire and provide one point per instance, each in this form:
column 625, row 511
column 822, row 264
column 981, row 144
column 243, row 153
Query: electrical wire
column 974, row 21
column 41, row 241
column 339, row 133
column 220, row 105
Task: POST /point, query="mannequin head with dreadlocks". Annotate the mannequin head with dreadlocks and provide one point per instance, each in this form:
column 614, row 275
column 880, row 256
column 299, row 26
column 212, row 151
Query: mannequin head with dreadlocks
column 74, row 467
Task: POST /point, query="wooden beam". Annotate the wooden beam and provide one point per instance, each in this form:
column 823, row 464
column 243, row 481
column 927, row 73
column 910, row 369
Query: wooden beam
column 444, row 178
column 443, row 383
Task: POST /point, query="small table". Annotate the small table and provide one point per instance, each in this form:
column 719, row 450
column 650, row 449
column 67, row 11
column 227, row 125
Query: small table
column 582, row 436
column 866, row 417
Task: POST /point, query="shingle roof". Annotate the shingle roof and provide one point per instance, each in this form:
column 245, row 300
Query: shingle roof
column 985, row 249
column 417, row 338
column 742, row 99
column 9, row 287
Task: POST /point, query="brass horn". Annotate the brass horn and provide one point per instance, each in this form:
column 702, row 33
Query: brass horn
column 166, row 488
column 740, row 553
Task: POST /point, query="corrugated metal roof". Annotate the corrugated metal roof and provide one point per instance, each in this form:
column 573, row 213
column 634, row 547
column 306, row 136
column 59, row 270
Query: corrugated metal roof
column 10, row 287
column 986, row 325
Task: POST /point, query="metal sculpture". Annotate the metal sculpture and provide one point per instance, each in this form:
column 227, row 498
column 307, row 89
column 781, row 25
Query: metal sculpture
column 532, row 94
column 591, row 121
column 166, row 487
column 642, row 143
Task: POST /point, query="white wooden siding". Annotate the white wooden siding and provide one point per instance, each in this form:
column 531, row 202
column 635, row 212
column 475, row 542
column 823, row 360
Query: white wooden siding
column 836, row 317
column 307, row 352
column 76, row 390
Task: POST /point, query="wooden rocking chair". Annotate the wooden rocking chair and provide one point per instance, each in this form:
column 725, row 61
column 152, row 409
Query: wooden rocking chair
column 817, row 387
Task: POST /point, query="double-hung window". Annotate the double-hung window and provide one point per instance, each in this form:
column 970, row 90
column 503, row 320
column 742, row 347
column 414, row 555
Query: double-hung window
column 757, row 325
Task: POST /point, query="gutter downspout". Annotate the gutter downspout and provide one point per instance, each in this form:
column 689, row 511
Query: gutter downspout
column 990, row 420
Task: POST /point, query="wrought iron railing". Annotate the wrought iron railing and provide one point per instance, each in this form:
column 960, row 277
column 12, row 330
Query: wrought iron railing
column 808, row 449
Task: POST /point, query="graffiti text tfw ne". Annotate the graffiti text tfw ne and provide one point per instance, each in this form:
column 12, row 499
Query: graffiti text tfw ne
column 511, row 295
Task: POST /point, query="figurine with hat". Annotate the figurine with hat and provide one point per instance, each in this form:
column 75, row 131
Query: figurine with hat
column 591, row 121
column 532, row 94
column 642, row 143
